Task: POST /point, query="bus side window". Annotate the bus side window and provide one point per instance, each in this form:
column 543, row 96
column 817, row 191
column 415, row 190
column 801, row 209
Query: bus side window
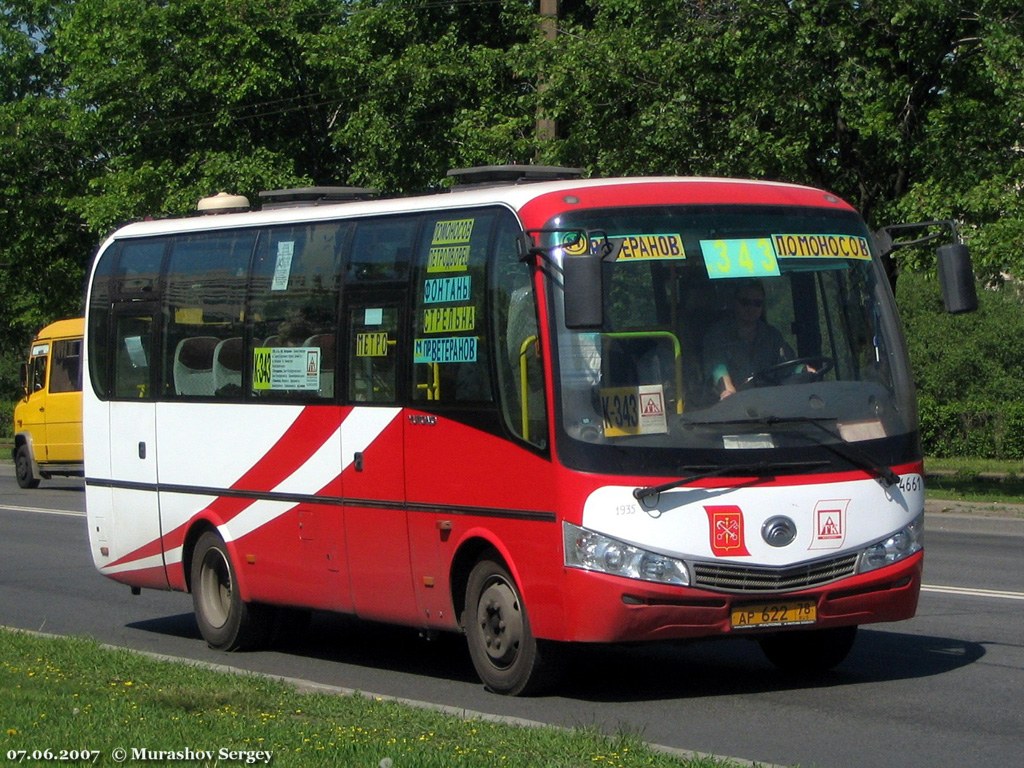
column 37, row 374
column 516, row 341
column 206, row 283
column 381, row 249
column 451, row 343
column 373, row 355
column 132, row 356
column 66, row 371
column 292, row 306
column 129, row 271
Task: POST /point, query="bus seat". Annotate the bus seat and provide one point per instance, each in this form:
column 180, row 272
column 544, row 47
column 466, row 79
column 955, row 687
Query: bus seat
column 227, row 365
column 193, row 366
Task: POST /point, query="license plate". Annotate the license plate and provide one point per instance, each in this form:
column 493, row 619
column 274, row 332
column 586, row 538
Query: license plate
column 789, row 613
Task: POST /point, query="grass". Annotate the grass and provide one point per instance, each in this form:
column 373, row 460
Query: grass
column 975, row 480
column 74, row 694
column 969, row 465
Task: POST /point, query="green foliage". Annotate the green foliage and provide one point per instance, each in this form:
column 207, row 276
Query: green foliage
column 968, row 369
column 439, row 87
column 972, row 357
column 44, row 248
column 180, row 100
column 6, row 423
column 911, row 110
column 983, row 429
column 111, row 110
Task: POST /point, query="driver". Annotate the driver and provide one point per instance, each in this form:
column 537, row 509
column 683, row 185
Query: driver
column 744, row 343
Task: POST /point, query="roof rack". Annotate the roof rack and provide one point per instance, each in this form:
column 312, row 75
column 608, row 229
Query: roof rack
column 490, row 175
column 302, row 196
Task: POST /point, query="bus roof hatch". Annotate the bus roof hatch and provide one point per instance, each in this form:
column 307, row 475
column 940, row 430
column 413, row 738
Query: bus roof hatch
column 303, row 196
column 490, row 175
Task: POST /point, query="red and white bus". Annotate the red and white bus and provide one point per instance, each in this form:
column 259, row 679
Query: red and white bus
column 500, row 411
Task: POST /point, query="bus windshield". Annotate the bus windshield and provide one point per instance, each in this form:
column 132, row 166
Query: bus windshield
column 731, row 336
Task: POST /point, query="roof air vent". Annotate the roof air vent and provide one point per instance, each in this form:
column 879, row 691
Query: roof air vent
column 491, row 175
column 294, row 198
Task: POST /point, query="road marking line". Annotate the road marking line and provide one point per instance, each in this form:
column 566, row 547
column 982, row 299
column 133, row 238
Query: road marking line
column 967, row 592
column 43, row 510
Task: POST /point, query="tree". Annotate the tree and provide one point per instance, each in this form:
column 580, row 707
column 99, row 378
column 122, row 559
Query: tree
column 911, row 110
column 179, row 100
column 439, row 86
column 41, row 262
column 961, row 358
column 973, row 145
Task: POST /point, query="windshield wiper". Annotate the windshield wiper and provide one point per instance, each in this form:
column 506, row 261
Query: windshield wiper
column 761, row 470
column 844, row 449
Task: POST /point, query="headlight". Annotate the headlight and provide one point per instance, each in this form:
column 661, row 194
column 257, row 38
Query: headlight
column 593, row 552
column 901, row 544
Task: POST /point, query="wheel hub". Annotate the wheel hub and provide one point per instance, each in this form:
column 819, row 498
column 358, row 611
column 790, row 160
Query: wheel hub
column 501, row 622
column 215, row 588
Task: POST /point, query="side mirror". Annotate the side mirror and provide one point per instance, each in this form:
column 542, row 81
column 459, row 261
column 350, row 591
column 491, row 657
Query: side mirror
column 956, row 274
column 582, row 284
column 956, row 277
column 24, row 378
column 583, row 253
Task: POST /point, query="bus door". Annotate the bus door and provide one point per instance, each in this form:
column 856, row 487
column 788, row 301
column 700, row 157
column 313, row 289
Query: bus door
column 373, row 484
column 64, row 402
column 31, row 414
column 132, row 433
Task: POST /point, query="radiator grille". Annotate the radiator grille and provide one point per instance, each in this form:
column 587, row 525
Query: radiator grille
column 734, row 577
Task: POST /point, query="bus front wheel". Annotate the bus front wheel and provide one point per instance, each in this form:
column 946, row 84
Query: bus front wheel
column 506, row 655
column 808, row 652
column 23, row 468
column 225, row 621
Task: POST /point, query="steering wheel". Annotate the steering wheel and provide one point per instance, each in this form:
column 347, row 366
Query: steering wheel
column 774, row 374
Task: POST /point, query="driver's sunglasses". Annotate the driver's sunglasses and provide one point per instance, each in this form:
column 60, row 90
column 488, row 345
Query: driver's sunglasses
column 751, row 302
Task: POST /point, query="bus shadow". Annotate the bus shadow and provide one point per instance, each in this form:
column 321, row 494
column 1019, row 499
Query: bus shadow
column 181, row 625
column 71, row 487
column 731, row 666
column 368, row 644
column 345, row 639
column 613, row 673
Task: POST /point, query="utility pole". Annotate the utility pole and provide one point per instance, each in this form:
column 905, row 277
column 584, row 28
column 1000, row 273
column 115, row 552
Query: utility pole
column 547, row 129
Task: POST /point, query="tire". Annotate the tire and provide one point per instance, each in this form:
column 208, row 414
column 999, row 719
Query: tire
column 225, row 622
column 808, row 652
column 23, row 468
column 505, row 654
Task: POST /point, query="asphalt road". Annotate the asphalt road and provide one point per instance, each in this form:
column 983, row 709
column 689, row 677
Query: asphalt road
column 943, row 689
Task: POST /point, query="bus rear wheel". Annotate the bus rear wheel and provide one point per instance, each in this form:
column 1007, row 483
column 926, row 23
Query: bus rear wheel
column 808, row 652
column 23, row 468
column 225, row 621
column 505, row 654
